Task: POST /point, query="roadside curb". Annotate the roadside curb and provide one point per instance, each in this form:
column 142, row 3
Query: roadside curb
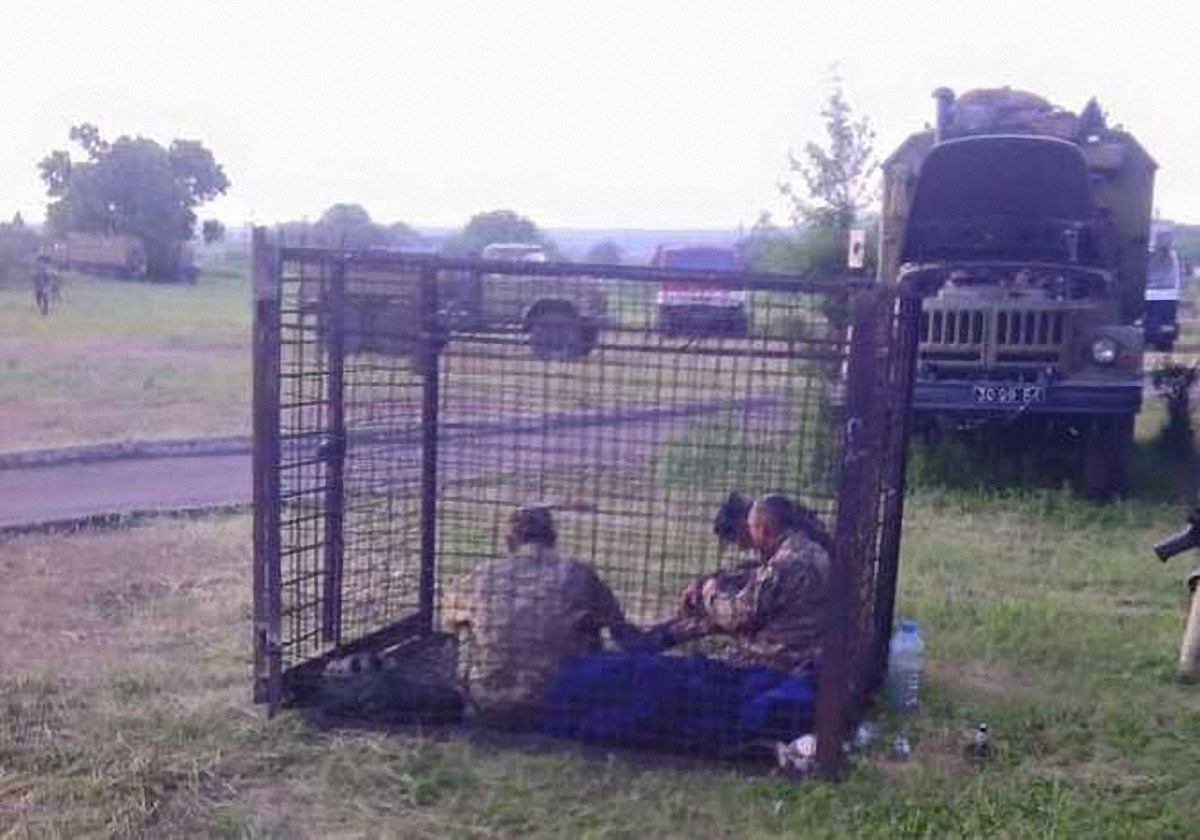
column 116, row 520
column 126, row 450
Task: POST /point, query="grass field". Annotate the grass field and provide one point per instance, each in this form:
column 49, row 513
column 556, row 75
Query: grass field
column 124, row 694
column 125, row 676
column 123, row 361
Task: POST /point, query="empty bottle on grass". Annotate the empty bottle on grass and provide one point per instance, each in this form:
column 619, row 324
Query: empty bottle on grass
column 906, row 661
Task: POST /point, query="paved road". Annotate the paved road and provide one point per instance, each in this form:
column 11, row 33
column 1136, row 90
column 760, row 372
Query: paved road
column 43, row 494
column 80, row 490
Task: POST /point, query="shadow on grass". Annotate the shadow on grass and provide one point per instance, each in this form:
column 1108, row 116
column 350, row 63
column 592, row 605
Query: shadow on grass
column 1024, row 458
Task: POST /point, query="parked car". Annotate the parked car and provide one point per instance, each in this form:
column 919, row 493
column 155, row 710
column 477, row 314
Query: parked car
column 561, row 315
column 691, row 308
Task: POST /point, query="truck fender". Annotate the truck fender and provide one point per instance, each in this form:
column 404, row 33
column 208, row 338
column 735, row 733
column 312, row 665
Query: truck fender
column 545, row 306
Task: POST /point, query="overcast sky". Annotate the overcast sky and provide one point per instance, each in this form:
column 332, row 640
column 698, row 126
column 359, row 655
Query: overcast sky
column 615, row 114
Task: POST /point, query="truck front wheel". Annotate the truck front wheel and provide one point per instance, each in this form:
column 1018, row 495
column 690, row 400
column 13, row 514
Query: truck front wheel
column 1107, row 452
column 560, row 334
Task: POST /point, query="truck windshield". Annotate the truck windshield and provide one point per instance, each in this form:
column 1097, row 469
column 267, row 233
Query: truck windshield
column 1162, row 271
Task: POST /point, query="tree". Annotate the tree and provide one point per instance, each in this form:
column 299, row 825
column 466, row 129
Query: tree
column 349, row 226
column 132, row 186
column 18, row 247
column 606, row 252
column 830, row 187
column 399, row 234
column 496, row 226
column 212, row 231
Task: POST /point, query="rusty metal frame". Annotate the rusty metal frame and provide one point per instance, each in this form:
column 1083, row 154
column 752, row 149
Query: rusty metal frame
column 431, row 347
column 836, row 695
column 334, row 341
column 268, row 661
column 879, row 354
column 903, row 364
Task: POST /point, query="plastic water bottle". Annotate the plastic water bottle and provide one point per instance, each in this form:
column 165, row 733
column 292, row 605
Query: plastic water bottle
column 906, row 660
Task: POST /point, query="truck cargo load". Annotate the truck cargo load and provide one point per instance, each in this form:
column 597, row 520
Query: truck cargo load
column 109, row 256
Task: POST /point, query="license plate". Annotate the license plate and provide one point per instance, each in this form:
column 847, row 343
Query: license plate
column 1010, row 394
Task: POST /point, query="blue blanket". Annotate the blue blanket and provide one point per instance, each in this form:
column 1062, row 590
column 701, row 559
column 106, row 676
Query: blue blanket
column 688, row 703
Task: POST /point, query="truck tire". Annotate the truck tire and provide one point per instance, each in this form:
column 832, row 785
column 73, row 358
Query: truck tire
column 559, row 334
column 1107, row 451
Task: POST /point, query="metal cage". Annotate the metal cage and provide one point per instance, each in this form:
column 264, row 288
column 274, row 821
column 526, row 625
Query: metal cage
column 405, row 405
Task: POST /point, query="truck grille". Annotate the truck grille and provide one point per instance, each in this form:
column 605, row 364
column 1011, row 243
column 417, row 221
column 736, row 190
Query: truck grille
column 993, row 337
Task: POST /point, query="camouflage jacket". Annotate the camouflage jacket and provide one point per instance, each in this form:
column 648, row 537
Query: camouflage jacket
column 520, row 619
column 774, row 612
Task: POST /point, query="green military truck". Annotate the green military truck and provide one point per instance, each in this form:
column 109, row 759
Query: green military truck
column 558, row 314
column 1027, row 228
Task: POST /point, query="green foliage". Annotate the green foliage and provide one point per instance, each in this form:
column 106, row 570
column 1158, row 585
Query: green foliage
column 349, row 226
column 838, row 179
column 18, row 246
column 806, row 250
column 496, row 226
column 829, row 188
column 132, row 186
column 212, row 232
column 606, row 253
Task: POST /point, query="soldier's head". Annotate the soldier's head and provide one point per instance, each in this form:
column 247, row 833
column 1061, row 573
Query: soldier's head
column 531, row 525
column 772, row 518
column 731, row 522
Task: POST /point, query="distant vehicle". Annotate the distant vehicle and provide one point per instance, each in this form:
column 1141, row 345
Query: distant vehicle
column 694, row 308
column 119, row 256
column 519, row 251
column 561, row 316
column 97, row 254
column 1164, row 283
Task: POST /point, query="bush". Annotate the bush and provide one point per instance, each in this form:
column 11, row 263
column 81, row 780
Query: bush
column 18, row 247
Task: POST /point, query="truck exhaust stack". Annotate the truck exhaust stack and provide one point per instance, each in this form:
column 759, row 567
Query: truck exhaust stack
column 945, row 102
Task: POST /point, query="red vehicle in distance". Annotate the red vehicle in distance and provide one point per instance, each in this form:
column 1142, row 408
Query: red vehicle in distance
column 686, row 308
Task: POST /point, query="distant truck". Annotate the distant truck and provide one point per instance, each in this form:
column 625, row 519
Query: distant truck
column 1028, row 228
column 121, row 256
column 561, row 316
column 697, row 309
column 1164, row 285
column 97, row 254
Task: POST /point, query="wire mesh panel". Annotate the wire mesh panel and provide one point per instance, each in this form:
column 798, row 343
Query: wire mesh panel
column 409, row 406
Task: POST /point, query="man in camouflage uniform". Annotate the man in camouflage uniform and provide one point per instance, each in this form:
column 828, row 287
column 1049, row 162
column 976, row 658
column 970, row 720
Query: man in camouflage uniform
column 775, row 610
column 521, row 617
column 43, row 284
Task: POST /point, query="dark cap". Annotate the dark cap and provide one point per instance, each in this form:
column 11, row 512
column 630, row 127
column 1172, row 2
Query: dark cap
column 532, row 524
column 730, row 520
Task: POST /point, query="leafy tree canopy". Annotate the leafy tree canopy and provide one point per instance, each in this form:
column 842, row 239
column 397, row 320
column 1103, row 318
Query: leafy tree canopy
column 830, row 187
column 606, row 252
column 212, row 231
column 351, row 226
column 497, row 226
column 132, row 186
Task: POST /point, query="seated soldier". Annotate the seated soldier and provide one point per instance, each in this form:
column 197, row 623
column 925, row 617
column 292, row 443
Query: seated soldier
column 525, row 615
column 774, row 609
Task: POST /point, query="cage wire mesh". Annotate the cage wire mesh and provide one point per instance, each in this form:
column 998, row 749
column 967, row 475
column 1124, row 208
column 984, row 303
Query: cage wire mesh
column 407, row 406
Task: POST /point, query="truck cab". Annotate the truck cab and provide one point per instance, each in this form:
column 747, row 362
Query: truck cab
column 696, row 309
column 1027, row 234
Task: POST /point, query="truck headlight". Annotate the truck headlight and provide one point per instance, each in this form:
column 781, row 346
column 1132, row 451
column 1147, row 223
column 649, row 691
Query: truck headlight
column 1104, row 351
